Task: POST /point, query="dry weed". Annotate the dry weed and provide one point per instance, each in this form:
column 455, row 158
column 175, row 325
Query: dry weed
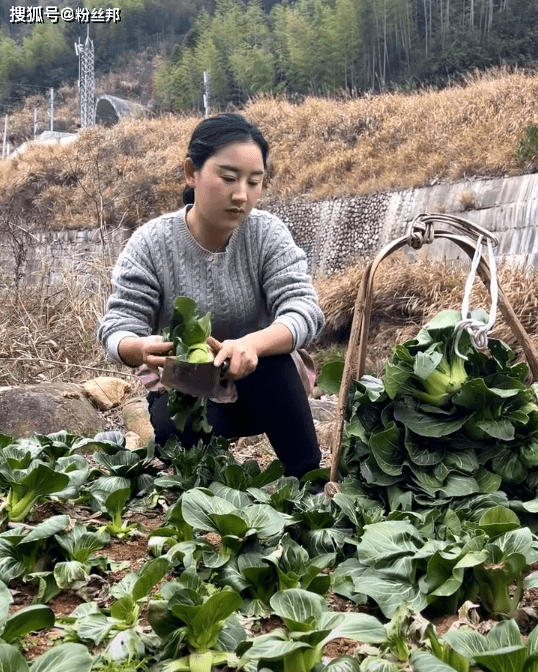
column 49, row 332
column 467, row 199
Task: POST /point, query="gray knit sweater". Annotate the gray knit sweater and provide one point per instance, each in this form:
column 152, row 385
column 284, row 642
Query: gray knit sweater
column 260, row 278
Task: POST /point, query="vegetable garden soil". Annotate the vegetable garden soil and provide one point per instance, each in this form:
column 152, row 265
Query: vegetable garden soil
column 132, row 553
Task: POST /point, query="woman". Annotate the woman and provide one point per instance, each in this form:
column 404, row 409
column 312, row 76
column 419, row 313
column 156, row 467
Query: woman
column 241, row 264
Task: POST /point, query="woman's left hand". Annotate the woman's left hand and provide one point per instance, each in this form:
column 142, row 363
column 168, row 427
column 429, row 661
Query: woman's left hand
column 241, row 353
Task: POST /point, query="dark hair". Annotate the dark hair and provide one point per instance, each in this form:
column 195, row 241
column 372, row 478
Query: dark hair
column 213, row 133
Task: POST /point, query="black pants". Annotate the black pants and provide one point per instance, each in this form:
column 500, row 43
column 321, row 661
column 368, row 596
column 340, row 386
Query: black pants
column 271, row 400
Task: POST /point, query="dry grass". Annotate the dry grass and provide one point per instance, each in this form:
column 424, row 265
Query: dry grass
column 407, row 295
column 48, row 333
column 123, row 175
column 320, row 148
column 329, row 148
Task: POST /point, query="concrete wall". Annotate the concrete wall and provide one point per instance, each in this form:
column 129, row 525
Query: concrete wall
column 508, row 207
column 334, row 233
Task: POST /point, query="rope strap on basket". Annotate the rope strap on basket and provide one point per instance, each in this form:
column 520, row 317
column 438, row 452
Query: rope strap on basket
column 477, row 330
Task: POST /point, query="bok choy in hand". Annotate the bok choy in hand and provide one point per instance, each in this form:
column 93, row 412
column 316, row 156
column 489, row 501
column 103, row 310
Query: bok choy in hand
column 188, row 332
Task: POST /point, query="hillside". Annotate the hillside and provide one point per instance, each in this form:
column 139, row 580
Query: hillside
column 321, row 148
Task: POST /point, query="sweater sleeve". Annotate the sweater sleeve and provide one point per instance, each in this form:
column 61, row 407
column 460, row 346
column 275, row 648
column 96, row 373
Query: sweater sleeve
column 136, row 297
column 290, row 295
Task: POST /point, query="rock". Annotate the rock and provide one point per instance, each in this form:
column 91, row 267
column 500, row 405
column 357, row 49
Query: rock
column 316, row 393
column 323, row 409
column 132, row 441
column 47, row 408
column 106, row 392
column 136, row 419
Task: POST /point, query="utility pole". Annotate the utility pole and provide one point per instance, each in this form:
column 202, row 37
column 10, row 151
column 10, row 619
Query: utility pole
column 207, row 93
column 5, row 137
column 85, row 55
column 51, row 111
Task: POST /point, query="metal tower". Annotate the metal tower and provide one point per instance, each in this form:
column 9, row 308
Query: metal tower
column 86, row 80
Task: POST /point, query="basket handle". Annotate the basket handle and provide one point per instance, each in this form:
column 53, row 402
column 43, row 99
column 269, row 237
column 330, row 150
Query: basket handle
column 361, row 324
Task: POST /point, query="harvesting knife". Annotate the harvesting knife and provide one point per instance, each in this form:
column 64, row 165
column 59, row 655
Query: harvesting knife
column 199, row 380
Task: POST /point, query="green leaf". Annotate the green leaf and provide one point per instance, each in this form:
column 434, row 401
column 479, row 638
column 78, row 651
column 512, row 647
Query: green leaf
column 67, row 573
column 46, row 529
column 347, row 664
column 206, row 625
column 389, row 593
column 265, row 520
column 330, row 378
column 11, row 659
column 94, row 627
column 237, row 498
column 425, row 424
column 125, row 609
column 506, row 659
column 70, row 656
column 29, row 619
column 115, row 501
column 348, row 625
column 229, row 524
column 5, row 600
column 385, row 448
column 501, row 429
column 198, row 504
column 299, row 609
column 497, row 520
column 388, row 539
column 150, row 575
column 274, row 646
column 427, row 662
column 467, row 643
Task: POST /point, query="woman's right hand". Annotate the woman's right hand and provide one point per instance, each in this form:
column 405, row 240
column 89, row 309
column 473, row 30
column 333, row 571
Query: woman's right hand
column 149, row 350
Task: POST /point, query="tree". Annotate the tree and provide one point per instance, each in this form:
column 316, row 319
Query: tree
column 253, row 69
column 46, row 50
column 11, row 60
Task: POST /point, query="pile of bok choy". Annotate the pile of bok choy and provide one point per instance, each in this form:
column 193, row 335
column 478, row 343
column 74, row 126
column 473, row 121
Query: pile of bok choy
column 446, row 421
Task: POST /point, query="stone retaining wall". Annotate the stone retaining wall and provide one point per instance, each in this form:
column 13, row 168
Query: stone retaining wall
column 334, row 233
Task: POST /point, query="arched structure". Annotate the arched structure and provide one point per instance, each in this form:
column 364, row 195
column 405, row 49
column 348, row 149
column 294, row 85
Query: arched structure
column 109, row 110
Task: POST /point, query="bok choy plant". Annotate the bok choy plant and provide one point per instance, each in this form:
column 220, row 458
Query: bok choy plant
column 120, row 625
column 28, row 485
column 310, row 626
column 25, row 549
column 69, row 656
column 501, row 650
column 198, row 630
column 236, row 527
column 80, row 546
column 28, row 619
column 194, row 467
column 258, row 575
column 188, row 333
